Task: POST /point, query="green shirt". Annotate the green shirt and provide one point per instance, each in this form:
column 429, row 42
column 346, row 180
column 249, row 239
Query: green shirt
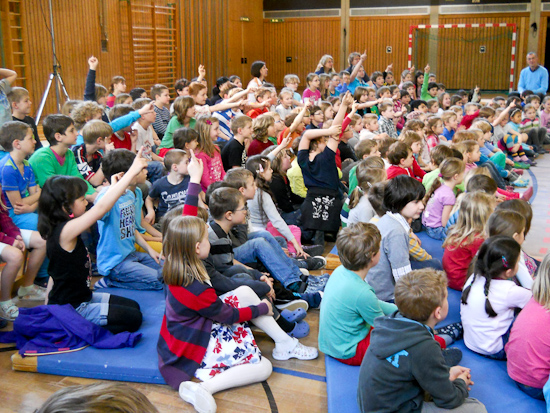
column 44, row 164
column 352, row 179
column 173, row 125
column 348, row 312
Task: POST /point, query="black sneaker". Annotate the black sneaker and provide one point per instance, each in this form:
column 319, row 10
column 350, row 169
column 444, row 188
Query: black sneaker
column 313, row 250
column 452, row 356
column 3, row 323
column 316, row 263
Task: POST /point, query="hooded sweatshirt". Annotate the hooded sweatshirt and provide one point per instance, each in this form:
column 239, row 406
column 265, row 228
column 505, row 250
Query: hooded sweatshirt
column 402, row 362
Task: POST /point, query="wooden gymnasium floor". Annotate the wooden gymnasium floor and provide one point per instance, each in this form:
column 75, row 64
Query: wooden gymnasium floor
column 294, row 385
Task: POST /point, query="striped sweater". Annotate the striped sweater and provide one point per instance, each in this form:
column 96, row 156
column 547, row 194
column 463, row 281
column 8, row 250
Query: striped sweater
column 188, row 317
column 186, row 326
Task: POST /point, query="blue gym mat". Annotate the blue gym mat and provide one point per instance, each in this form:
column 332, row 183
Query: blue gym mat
column 493, row 386
column 138, row 364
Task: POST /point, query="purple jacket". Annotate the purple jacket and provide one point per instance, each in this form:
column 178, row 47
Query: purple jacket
column 53, row 328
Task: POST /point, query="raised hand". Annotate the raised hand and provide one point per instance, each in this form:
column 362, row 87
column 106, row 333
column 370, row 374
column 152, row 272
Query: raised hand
column 139, row 163
column 93, row 62
column 195, row 168
column 427, row 68
column 202, row 71
column 148, row 108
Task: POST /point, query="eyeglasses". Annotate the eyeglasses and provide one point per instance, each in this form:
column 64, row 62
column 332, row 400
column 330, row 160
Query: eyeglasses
column 245, row 208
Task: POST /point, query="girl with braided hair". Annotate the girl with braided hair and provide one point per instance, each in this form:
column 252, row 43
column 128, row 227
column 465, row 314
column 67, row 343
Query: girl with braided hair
column 490, row 298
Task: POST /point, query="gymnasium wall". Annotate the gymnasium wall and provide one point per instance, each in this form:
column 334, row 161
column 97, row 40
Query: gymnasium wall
column 375, row 33
column 227, row 36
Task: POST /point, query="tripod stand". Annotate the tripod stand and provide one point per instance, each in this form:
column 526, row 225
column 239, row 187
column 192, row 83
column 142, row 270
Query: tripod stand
column 55, row 76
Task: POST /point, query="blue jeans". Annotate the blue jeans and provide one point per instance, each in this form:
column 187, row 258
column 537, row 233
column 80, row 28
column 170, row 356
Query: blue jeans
column 433, row 263
column 262, row 246
column 30, row 221
column 97, row 309
column 437, row 233
column 155, row 171
column 531, row 391
column 292, row 218
column 138, row 271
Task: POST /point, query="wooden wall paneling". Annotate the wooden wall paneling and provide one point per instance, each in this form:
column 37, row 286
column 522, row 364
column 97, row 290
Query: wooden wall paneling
column 375, row 33
column 204, row 38
column 543, row 28
column 252, row 36
column 489, row 71
column 299, row 39
column 78, row 36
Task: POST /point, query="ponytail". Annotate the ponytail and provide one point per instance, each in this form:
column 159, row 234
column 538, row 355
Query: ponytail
column 448, row 168
column 355, row 197
column 496, row 255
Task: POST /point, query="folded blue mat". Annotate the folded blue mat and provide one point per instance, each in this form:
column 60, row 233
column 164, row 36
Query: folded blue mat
column 138, row 364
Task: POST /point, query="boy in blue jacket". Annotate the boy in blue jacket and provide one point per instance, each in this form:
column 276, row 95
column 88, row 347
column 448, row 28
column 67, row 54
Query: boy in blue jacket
column 404, row 361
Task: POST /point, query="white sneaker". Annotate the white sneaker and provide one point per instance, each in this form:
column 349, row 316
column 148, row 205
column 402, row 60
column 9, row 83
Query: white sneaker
column 193, row 393
column 9, row 311
column 34, row 293
column 299, row 352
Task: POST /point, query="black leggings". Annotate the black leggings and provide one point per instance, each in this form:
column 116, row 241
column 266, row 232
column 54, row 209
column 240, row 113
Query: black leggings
column 124, row 315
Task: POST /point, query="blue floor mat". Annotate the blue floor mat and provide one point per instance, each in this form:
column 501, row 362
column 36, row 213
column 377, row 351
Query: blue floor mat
column 138, row 364
column 492, row 386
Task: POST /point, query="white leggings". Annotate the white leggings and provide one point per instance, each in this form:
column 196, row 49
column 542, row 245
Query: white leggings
column 250, row 373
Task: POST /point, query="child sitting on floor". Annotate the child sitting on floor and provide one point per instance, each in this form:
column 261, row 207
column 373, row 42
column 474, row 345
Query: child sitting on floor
column 349, row 303
column 400, row 156
column 117, row 259
column 466, row 236
column 527, row 349
column 510, row 223
column 200, row 327
column 208, row 152
column 404, row 361
column 171, row 190
column 360, row 207
column 440, row 199
column 402, row 201
column 490, row 297
column 263, row 211
column 62, row 219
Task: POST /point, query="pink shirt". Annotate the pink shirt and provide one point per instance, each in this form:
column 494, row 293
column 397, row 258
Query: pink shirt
column 213, row 169
column 314, row 96
column 528, row 349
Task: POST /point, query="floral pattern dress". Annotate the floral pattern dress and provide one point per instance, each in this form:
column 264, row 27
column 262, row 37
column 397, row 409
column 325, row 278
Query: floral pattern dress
column 229, row 346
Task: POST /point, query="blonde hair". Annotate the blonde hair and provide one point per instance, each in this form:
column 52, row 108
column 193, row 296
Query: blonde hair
column 98, row 397
column 447, row 116
column 121, row 98
column 85, row 111
column 182, row 265
column 448, row 168
column 260, row 125
column 464, row 135
column 541, row 286
column 357, row 244
column 366, row 179
column 95, row 129
column 203, row 126
column 17, row 94
column 482, row 125
column 420, row 292
column 474, row 212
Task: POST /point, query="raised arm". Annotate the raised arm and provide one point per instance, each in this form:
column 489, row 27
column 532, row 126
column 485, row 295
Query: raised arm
column 503, row 114
column 120, row 183
column 347, row 101
column 9, row 75
column 353, row 74
column 89, row 89
column 299, row 118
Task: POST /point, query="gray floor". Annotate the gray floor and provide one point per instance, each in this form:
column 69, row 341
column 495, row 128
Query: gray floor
column 537, row 242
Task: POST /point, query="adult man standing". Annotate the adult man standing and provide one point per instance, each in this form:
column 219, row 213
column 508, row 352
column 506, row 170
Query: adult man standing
column 533, row 77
